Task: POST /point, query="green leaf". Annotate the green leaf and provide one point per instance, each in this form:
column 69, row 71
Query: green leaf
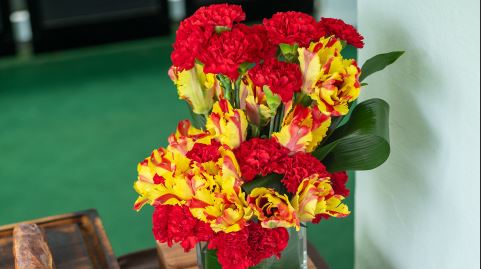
column 288, row 48
column 378, row 63
column 360, row 144
column 273, row 100
column 270, row 181
column 220, row 29
column 244, row 67
column 226, row 84
column 197, row 120
column 289, row 53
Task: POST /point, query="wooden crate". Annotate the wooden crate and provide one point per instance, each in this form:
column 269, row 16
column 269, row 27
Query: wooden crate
column 76, row 240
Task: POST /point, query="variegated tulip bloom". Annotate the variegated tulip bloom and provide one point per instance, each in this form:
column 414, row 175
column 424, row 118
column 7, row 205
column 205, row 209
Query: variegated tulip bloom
column 329, row 79
column 303, row 129
column 273, row 209
column 314, row 197
column 229, row 125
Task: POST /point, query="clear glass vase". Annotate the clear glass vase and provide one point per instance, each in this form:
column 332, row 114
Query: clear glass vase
column 294, row 255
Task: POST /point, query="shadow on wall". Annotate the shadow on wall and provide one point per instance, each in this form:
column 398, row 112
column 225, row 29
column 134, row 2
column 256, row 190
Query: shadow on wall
column 412, row 140
column 381, row 260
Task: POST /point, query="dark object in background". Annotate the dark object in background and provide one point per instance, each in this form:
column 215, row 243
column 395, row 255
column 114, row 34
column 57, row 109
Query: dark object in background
column 257, row 9
column 60, row 24
column 7, row 45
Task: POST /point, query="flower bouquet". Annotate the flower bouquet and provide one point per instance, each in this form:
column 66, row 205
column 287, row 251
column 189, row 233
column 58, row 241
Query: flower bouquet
column 274, row 128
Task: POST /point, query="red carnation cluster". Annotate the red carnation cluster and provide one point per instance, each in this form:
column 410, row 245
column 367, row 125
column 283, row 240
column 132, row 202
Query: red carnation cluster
column 260, row 157
column 174, row 224
column 343, row 31
column 282, row 78
column 204, row 153
column 194, row 32
column 293, row 27
column 249, row 246
column 265, row 156
column 214, row 36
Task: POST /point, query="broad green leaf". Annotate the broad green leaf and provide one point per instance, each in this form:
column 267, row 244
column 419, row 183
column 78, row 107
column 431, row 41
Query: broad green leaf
column 270, row 181
column 378, row 63
column 360, row 144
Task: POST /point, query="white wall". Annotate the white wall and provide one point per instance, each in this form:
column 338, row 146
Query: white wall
column 421, row 209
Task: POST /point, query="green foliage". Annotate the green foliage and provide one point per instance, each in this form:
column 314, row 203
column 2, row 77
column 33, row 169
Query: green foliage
column 360, row 144
column 197, row 120
column 273, row 100
column 378, row 63
column 288, row 53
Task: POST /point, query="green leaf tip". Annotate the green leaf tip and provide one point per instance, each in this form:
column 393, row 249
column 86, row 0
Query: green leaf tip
column 378, row 63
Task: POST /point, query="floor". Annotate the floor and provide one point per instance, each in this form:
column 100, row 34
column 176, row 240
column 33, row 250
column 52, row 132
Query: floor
column 73, row 126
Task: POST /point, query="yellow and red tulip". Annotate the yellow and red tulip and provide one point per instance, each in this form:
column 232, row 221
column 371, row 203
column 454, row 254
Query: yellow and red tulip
column 315, row 196
column 329, row 79
column 228, row 125
column 303, row 129
column 195, row 87
column 273, row 209
column 254, row 101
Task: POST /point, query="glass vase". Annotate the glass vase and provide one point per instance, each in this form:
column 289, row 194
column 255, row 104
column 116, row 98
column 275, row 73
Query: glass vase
column 294, row 255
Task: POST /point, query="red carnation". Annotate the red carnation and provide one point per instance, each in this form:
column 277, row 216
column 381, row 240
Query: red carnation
column 226, row 51
column 204, row 153
column 343, row 31
column 173, row 224
column 293, row 27
column 232, row 249
column 265, row 243
column 282, row 78
column 300, row 166
column 221, row 15
column 195, row 31
column 189, row 41
column 260, row 157
column 339, row 180
column 260, row 46
column 249, row 246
